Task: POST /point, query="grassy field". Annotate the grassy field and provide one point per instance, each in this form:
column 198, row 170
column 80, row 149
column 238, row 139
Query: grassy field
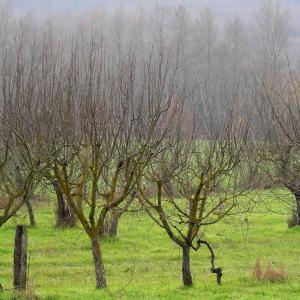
column 143, row 263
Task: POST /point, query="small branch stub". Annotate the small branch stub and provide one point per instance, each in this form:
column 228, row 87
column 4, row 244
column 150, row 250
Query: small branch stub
column 20, row 258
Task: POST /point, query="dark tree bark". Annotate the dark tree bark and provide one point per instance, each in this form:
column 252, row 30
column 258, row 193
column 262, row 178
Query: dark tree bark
column 30, row 213
column 297, row 197
column 186, row 269
column 20, row 258
column 98, row 263
column 111, row 223
column 114, row 221
column 292, row 185
column 64, row 215
column 294, row 188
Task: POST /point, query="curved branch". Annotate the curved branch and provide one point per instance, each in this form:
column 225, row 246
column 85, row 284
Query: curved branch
column 217, row 271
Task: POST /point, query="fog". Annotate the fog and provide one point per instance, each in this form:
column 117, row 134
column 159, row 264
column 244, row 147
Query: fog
column 215, row 45
column 223, row 9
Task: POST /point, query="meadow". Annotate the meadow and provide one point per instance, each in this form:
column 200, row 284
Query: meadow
column 143, row 263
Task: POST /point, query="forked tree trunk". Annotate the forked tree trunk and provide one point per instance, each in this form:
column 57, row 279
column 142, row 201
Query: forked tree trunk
column 30, row 213
column 98, row 263
column 64, row 215
column 186, row 267
column 112, row 218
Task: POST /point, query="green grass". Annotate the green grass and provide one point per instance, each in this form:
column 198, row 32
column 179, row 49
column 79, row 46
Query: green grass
column 143, row 263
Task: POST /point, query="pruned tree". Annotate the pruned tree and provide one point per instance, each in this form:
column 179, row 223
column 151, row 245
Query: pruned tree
column 22, row 159
column 275, row 94
column 104, row 126
column 202, row 168
column 278, row 145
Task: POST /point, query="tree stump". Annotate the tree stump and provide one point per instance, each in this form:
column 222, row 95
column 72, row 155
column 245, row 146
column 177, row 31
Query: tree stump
column 20, row 258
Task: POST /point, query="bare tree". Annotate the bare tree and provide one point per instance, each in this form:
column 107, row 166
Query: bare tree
column 23, row 160
column 278, row 144
column 105, row 124
column 271, row 34
column 202, row 169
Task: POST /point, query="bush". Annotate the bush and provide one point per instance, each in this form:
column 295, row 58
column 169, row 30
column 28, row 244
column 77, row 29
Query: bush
column 270, row 274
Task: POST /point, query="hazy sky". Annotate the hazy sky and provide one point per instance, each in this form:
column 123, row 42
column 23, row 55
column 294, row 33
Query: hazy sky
column 222, row 7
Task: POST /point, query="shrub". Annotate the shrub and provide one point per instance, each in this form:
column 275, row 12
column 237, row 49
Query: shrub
column 257, row 270
column 270, row 274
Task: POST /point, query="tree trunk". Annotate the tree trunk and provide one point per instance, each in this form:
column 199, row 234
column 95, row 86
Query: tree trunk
column 64, row 215
column 114, row 222
column 186, row 269
column 111, row 223
column 297, row 196
column 113, row 226
column 20, row 258
column 30, row 213
column 98, row 263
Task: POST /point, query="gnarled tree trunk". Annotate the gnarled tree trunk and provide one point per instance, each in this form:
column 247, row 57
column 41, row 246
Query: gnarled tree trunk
column 64, row 215
column 186, row 267
column 98, row 264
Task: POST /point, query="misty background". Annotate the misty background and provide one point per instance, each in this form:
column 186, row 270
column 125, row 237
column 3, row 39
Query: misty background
column 222, row 9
